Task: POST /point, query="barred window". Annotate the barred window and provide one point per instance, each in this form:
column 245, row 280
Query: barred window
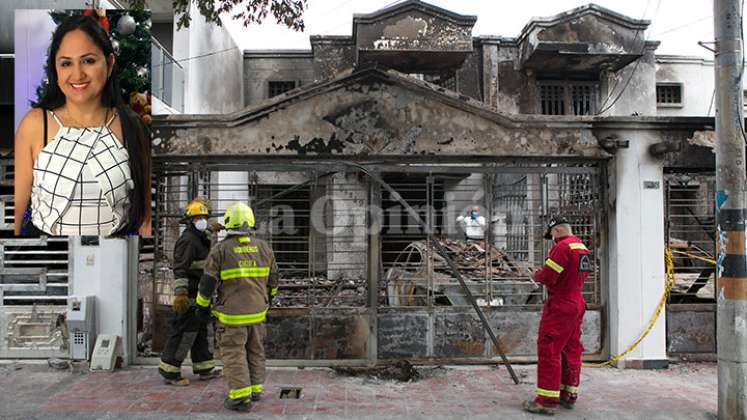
column 278, row 88
column 552, row 99
column 668, row 94
column 567, row 98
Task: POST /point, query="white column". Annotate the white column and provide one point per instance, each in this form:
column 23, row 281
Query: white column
column 636, row 257
column 102, row 271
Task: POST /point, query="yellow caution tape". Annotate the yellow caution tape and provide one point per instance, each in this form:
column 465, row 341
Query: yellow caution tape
column 696, row 257
column 668, row 284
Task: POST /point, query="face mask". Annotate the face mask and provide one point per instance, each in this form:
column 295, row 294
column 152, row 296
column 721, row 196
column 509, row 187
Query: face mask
column 201, row 225
column 474, row 215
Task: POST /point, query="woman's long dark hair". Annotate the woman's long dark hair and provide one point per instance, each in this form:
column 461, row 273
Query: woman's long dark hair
column 134, row 133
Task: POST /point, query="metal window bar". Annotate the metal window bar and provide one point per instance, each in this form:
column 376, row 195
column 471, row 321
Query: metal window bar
column 34, row 271
column 7, row 198
column 583, row 98
column 280, row 87
column 668, row 94
column 552, row 99
column 690, row 235
column 322, row 248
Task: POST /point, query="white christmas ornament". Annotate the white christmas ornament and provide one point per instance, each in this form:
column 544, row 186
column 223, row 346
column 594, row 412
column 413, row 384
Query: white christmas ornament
column 126, row 25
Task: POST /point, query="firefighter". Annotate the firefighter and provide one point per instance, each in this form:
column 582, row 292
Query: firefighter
column 243, row 270
column 186, row 332
column 473, row 224
column 559, row 346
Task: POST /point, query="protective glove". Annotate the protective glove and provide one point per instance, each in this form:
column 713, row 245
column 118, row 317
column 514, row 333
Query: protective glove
column 269, row 299
column 180, row 304
column 203, row 314
column 215, row 227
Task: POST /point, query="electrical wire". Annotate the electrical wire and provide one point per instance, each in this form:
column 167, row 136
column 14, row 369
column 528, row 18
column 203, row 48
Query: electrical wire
column 604, row 108
column 195, row 57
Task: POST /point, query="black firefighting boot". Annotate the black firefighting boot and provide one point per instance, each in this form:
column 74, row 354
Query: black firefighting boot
column 533, row 406
column 239, row 404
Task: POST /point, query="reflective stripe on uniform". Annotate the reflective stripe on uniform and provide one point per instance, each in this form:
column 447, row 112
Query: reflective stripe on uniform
column 257, row 389
column 240, row 393
column 577, row 245
column 209, row 364
column 568, row 388
column 202, row 300
column 235, row 273
column 240, row 319
column 547, row 393
column 181, row 282
column 197, row 265
column 245, row 249
column 555, row 266
column 169, row 368
column 244, row 239
column 273, row 291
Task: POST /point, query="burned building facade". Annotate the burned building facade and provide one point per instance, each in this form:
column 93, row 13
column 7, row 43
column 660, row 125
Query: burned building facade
column 359, row 155
column 338, row 145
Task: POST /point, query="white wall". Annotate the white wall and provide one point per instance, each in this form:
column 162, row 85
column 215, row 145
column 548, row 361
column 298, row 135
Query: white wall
column 697, row 78
column 213, row 83
column 636, row 249
column 102, row 271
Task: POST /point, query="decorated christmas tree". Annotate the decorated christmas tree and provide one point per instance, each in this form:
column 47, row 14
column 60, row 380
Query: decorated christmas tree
column 129, row 32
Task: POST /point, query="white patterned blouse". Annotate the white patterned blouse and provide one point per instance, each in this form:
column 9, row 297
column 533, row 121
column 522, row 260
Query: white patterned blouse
column 81, row 182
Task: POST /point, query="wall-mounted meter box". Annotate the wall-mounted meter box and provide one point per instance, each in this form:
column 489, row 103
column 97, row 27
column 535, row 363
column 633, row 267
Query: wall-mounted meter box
column 105, row 352
column 81, row 322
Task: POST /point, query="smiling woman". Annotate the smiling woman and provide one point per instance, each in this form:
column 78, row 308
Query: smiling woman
column 82, row 157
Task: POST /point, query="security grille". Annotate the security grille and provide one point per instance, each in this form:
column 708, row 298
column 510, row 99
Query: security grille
column 668, row 94
column 690, row 235
column 567, row 98
column 278, row 88
column 34, row 271
column 316, row 220
column 552, row 99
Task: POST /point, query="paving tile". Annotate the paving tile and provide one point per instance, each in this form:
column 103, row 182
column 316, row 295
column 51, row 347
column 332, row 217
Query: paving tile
column 175, row 407
column 144, row 406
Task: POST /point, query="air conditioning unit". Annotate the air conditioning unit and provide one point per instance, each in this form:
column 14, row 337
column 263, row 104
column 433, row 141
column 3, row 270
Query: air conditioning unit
column 81, row 322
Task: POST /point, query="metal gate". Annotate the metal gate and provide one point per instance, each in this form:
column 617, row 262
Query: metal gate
column 690, row 228
column 34, row 287
column 342, row 282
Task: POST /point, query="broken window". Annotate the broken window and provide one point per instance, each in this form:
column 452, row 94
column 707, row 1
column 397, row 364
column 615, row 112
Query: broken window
column 668, row 94
column 567, row 97
column 280, row 87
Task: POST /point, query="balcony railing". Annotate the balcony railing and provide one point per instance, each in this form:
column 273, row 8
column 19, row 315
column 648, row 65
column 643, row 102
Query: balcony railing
column 167, row 77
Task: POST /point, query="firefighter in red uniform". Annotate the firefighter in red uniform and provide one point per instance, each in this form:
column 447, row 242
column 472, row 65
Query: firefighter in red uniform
column 559, row 346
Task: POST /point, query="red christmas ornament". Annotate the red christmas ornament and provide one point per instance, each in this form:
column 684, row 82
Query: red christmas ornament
column 101, row 13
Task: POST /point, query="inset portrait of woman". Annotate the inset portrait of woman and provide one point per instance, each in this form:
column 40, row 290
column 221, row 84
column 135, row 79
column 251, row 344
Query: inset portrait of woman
column 82, row 155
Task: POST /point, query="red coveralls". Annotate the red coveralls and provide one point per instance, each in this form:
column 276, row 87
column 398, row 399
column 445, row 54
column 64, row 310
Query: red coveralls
column 559, row 340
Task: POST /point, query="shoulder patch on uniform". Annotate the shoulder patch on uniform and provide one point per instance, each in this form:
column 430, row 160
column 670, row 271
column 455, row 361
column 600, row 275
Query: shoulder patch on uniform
column 584, row 264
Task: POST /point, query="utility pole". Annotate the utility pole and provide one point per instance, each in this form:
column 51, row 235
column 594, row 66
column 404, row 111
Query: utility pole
column 731, row 270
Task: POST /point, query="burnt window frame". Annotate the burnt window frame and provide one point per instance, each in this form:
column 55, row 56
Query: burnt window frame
column 296, row 84
column 678, row 85
column 567, row 86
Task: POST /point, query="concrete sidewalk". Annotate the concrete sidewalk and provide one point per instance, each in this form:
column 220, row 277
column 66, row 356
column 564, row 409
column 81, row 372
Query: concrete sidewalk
column 682, row 392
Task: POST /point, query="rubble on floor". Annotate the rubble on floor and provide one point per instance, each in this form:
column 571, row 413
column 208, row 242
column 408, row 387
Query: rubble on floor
column 401, row 371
